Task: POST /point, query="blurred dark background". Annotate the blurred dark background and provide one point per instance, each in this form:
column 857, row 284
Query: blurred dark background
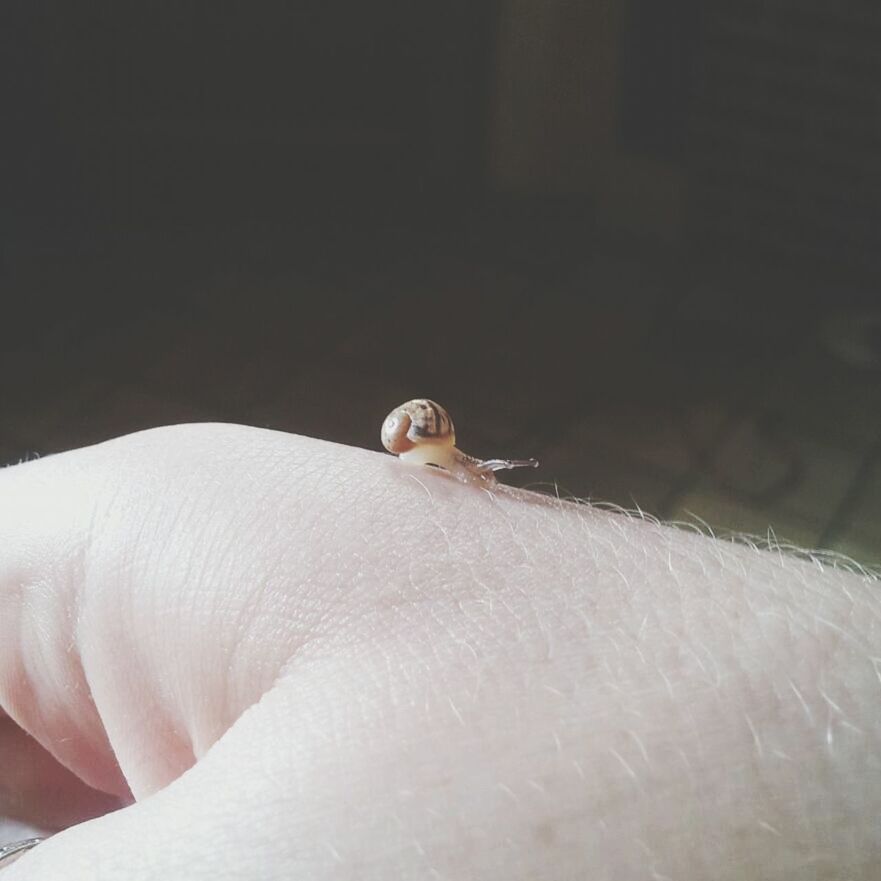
column 639, row 240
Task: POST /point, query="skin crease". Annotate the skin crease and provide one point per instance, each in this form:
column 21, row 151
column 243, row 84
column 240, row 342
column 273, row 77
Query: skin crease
column 303, row 660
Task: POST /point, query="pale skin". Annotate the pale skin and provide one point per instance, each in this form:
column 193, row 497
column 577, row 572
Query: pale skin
column 305, row 661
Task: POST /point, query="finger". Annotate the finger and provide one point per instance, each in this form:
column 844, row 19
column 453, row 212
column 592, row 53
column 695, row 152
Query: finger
column 36, row 790
column 44, row 522
column 326, row 778
column 176, row 833
column 154, row 587
column 141, row 609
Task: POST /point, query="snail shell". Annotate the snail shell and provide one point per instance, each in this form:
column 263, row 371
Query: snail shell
column 417, row 422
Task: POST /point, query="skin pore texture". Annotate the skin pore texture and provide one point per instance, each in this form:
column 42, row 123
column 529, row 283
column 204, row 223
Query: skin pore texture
column 290, row 659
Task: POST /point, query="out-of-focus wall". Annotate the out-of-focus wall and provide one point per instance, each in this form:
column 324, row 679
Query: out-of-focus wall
column 745, row 129
column 557, row 116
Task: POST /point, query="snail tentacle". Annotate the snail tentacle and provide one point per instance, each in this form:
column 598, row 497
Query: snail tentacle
column 422, row 432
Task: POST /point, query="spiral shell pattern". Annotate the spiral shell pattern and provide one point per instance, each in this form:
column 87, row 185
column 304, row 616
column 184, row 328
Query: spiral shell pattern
column 419, row 421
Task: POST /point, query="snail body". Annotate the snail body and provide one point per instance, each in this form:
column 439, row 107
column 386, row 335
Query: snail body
column 421, row 432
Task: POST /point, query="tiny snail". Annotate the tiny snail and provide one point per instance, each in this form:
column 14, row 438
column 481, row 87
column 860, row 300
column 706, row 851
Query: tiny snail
column 422, row 432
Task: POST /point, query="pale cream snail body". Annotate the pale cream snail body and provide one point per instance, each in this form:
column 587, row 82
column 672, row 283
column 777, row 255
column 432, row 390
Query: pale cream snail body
column 421, row 432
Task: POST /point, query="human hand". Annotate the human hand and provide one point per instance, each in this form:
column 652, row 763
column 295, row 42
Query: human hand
column 301, row 660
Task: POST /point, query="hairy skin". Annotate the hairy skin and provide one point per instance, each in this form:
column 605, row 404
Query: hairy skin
column 301, row 660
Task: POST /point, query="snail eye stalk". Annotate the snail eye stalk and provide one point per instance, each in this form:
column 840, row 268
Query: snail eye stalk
column 422, row 432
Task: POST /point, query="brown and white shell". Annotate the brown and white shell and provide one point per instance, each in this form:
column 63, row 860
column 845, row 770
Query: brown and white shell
column 419, row 421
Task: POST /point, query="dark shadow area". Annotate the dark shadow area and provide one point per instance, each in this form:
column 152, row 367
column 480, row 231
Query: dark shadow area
column 642, row 246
